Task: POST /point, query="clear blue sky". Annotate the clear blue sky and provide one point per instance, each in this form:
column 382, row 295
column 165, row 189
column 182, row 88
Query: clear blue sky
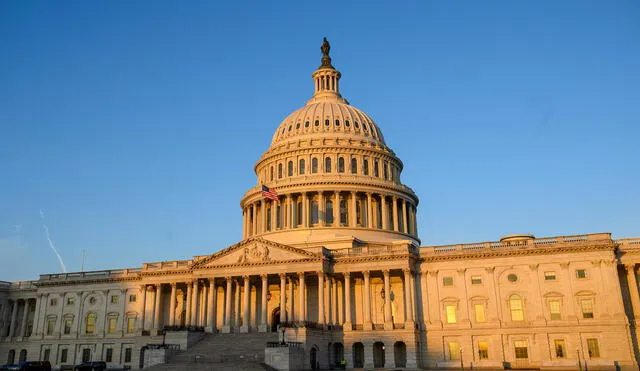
column 135, row 126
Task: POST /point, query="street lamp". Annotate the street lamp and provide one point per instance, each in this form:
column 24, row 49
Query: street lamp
column 579, row 363
column 461, row 363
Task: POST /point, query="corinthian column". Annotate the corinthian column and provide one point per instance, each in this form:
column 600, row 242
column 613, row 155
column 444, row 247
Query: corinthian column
column 158, row 309
column 245, row 305
column 227, row 307
column 388, row 321
column 408, row 298
column 368, row 326
column 263, row 308
column 632, row 282
column 25, row 313
column 212, row 305
column 14, row 317
column 404, row 216
column 336, row 209
column 385, row 217
column 347, row 302
column 395, row 213
column 353, row 217
column 301, row 316
column 172, row 305
column 283, row 298
column 321, row 298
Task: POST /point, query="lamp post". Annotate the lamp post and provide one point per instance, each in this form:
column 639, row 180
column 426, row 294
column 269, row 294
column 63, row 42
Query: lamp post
column 579, row 363
column 461, row 362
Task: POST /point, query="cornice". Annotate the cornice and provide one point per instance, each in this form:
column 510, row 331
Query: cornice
column 90, row 281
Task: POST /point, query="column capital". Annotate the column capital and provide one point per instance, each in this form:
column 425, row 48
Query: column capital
column 630, row 266
column 490, row 269
column 533, row 267
column 365, row 274
column 410, row 271
column 246, row 277
column 173, row 284
column 301, row 274
column 264, row 276
column 228, row 278
column 386, row 272
column 321, row 274
column 347, row 274
column 282, row 275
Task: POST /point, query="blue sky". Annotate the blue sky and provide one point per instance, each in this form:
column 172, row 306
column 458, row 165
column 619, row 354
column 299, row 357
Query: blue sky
column 134, row 126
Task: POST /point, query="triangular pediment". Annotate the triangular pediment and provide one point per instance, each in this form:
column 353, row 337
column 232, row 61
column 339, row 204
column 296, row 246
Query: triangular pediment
column 255, row 251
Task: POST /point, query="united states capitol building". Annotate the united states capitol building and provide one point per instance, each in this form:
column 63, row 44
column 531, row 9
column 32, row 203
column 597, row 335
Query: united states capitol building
column 335, row 263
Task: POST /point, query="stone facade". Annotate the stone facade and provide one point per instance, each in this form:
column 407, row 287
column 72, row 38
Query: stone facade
column 334, row 260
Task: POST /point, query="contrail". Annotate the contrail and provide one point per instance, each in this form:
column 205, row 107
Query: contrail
column 46, row 232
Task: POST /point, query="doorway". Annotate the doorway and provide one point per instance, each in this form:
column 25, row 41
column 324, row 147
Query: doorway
column 378, row 354
column 275, row 319
column 358, row 355
column 400, row 354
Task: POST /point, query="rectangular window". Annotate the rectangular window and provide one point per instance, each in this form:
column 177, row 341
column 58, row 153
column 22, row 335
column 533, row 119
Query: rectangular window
column 109, row 355
column 476, row 280
column 483, row 349
column 68, row 322
column 70, row 300
column 594, row 349
column 131, row 324
column 550, row 276
column 479, row 312
column 520, row 347
column 132, row 298
column 447, row 281
column 112, row 324
column 554, row 309
column 115, row 299
column 451, row 313
column 51, row 323
column 581, row 273
column 47, row 354
column 63, row 355
column 587, row 308
column 86, row 355
column 53, row 302
column 454, row 350
column 127, row 355
column 561, row 350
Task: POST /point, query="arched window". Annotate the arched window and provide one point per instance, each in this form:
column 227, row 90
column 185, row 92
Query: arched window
column 517, row 310
column 314, row 165
column 271, row 174
column 327, row 165
column 344, row 216
column 11, row 358
column 301, row 167
column 23, row 356
column 299, row 212
column 376, row 172
column 385, row 170
column 328, row 214
column 341, row 164
column 279, row 171
column 290, row 168
column 91, row 323
column 314, row 211
column 365, row 166
column 354, row 166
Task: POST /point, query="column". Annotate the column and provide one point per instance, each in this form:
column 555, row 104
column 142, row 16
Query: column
column 283, row 298
column 227, row 307
column 394, row 199
column 368, row 326
column 36, row 316
column 274, row 215
column 404, row 216
column 305, row 210
column 289, row 212
column 172, row 305
column 212, row 305
column 195, row 295
column 263, row 310
column 388, row 321
column 334, row 301
column 385, row 217
column 202, row 307
column 301, row 289
column 187, row 320
column 25, row 313
column 407, row 298
column 632, row 282
column 263, row 216
column 143, row 310
column 329, row 304
column 347, row 302
column 353, row 218
column 254, row 213
column 237, row 304
column 322, row 207
column 157, row 307
column 321, row 298
column 244, row 223
column 369, row 211
column 336, row 208
column 245, row 305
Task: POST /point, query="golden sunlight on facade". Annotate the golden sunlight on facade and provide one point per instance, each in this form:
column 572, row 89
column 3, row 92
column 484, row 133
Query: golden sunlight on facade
column 330, row 259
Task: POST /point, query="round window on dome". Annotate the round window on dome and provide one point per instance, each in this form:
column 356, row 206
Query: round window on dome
column 346, row 123
column 289, row 127
column 337, row 122
column 317, row 123
column 356, row 124
column 326, row 122
column 298, row 126
column 282, row 131
column 306, row 124
column 364, row 126
column 512, row 278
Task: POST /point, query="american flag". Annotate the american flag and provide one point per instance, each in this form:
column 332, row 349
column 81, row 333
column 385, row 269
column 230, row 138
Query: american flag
column 270, row 193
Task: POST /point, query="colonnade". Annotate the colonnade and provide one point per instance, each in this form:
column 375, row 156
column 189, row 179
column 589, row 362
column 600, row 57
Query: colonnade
column 17, row 318
column 335, row 306
column 330, row 209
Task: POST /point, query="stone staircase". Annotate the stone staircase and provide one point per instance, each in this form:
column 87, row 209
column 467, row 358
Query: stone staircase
column 222, row 352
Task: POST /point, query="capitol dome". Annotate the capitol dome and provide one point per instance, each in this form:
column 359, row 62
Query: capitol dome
column 330, row 178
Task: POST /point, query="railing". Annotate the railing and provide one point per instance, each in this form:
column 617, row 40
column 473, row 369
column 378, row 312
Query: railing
column 175, row 264
column 373, row 250
column 289, row 344
column 184, row 328
column 163, row 346
column 112, row 273
column 629, row 242
column 18, row 285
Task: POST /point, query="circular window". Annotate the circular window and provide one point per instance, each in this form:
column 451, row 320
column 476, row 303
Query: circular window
column 92, row 300
column 282, row 131
column 298, row 126
column 317, row 123
column 289, row 127
column 512, row 277
column 337, row 122
column 364, row 126
column 306, row 124
column 346, row 123
column 356, row 124
column 326, row 122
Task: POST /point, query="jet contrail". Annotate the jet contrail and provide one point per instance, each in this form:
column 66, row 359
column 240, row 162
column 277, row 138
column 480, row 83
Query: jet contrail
column 46, row 232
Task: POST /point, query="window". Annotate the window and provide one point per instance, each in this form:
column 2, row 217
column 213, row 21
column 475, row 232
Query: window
column 483, row 349
column 454, row 350
column 86, row 355
column 91, row 323
column 301, row 167
column 385, row 171
column 587, row 308
column 68, row 322
column 447, row 281
column 47, row 354
column 341, row 164
column 271, row 177
column 92, row 300
column 132, row 298
column 298, row 217
column 594, row 349
column 53, row 302
column 70, row 300
column 343, row 212
column 581, row 273
column 365, row 166
column 561, row 350
column 115, row 299
column 512, row 277
column 131, row 325
column 51, row 323
column 328, row 214
column 451, row 313
column 279, row 171
column 314, row 211
column 550, row 276
column 376, row 172
column 554, row 310
column 290, row 168
column 327, row 123
column 479, row 312
column 521, row 349
column 327, row 165
column 354, row 166
column 476, row 280
column 109, row 355
column 314, row 165
column 63, row 355
column 127, row 355
column 113, row 321
column 317, row 122
column 515, row 305
column 337, row 122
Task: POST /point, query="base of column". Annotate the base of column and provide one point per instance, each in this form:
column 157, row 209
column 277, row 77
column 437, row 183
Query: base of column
column 244, row 328
column 210, row 330
column 263, row 328
column 409, row 325
column 388, row 326
column 347, row 326
column 367, row 327
column 225, row 329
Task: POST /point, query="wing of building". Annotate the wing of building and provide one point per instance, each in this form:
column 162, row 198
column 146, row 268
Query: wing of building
column 330, row 253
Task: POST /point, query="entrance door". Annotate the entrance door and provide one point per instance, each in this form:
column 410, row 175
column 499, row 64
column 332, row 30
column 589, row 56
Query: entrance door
column 275, row 319
column 358, row 355
column 312, row 358
column 378, row 355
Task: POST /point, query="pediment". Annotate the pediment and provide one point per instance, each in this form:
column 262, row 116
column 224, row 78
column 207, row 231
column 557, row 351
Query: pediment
column 255, row 251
